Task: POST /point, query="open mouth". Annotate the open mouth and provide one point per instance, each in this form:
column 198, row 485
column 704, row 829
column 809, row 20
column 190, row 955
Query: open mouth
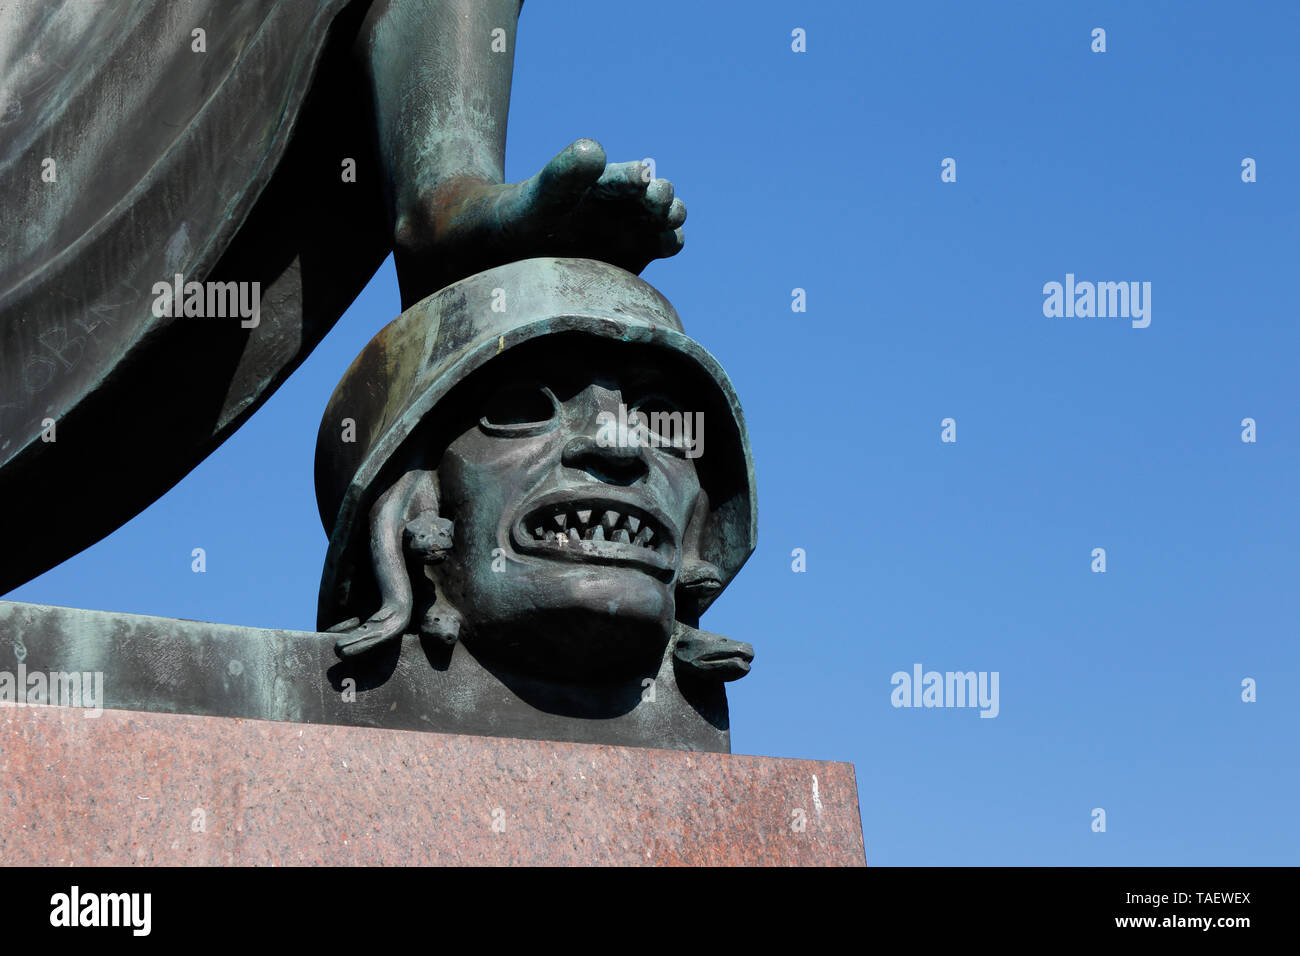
column 602, row 530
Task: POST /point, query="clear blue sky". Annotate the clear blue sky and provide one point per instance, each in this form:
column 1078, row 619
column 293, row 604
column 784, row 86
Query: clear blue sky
column 821, row 171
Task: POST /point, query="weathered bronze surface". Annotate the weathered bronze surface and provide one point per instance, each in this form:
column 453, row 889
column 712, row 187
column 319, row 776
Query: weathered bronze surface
column 167, row 665
column 226, row 159
column 484, row 496
column 488, row 465
column 533, row 481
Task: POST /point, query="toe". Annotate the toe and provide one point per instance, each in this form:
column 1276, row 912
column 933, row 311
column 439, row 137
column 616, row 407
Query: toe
column 571, row 173
column 671, row 243
column 623, row 180
column 676, row 214
column 658, row 198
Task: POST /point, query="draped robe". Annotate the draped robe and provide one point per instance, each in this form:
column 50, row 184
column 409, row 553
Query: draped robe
column 128, row 157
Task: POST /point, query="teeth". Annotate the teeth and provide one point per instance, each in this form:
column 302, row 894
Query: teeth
column 565, row 526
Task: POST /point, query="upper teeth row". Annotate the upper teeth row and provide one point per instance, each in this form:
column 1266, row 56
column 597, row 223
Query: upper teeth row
column 577, row 525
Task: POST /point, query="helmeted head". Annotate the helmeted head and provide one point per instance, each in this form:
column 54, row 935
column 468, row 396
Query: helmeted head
column 538, row 461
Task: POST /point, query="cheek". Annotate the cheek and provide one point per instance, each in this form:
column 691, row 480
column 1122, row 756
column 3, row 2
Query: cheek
column 679, row 487
column 482, row 479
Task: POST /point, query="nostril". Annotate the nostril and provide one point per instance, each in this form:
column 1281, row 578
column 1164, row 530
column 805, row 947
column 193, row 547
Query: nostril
column 614, row 464
column 575, row 450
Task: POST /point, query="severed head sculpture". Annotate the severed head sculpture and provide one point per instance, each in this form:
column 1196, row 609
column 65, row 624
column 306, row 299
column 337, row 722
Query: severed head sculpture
column 534, row 473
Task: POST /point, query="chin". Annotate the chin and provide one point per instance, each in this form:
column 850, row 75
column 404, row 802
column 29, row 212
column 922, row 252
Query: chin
column 573, row 624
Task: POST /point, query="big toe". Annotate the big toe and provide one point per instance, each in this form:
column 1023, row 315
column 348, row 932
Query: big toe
column 566, row 177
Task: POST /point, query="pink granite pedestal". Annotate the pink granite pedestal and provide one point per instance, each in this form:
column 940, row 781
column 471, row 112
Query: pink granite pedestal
column 169, row 789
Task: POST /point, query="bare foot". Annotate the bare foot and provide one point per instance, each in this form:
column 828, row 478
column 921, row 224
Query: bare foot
column 576, row 206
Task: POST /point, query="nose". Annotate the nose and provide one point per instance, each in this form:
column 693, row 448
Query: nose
column 612, row 464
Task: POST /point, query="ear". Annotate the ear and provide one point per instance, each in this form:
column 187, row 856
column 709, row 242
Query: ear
column 698, row 580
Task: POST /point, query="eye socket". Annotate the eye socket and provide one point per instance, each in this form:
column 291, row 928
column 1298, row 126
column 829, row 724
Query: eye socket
column 517, row 411
column 664, row 424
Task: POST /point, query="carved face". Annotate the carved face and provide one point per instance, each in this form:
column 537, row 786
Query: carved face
column 569, row 534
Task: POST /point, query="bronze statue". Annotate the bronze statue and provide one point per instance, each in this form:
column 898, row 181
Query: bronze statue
column 287, row 143
column 526, row 520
